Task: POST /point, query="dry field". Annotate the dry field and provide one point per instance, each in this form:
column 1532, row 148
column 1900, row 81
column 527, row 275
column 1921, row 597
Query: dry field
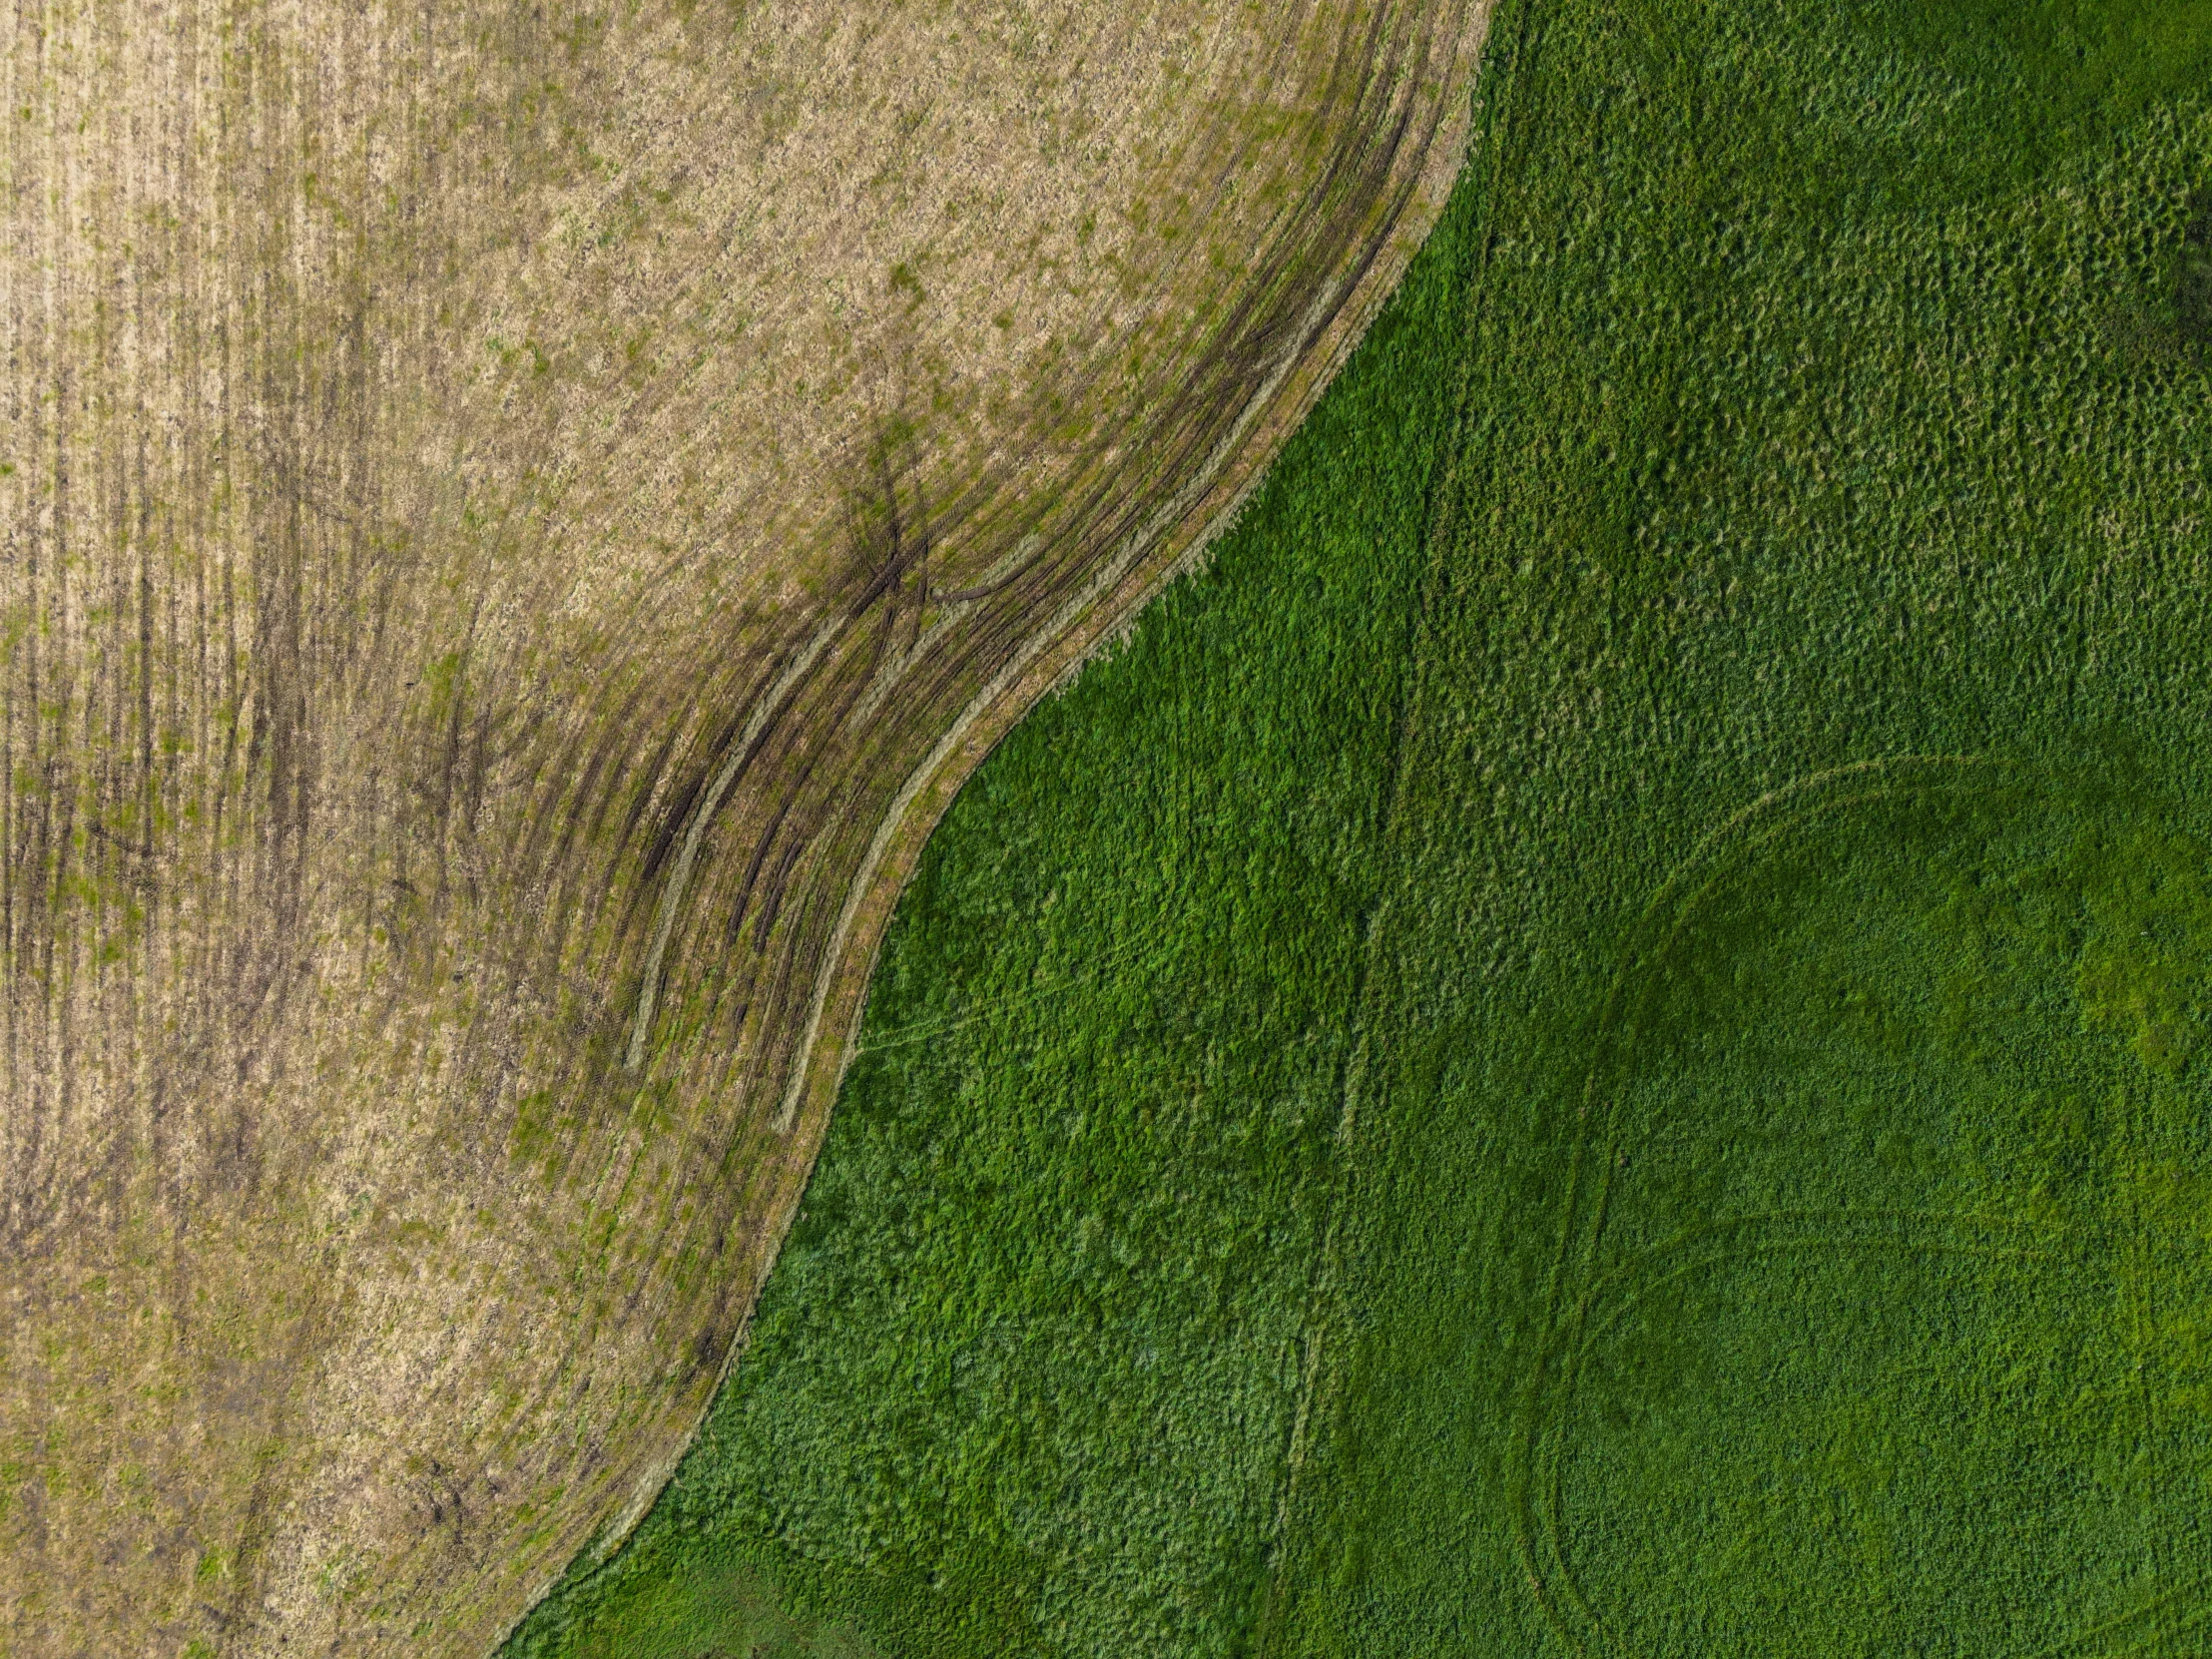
column 515, row 524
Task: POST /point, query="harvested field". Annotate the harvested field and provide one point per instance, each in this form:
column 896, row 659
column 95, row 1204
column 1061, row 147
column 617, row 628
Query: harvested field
column 1597, row 1041
column 516, row 523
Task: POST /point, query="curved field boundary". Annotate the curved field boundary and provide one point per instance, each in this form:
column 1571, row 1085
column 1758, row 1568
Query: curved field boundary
column 832, row 987
column 1176, row 537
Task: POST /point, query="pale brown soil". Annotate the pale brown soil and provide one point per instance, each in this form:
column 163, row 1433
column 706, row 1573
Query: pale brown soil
column 513, row 526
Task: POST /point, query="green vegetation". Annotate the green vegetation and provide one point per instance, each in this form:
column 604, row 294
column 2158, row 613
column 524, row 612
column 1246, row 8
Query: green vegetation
column 1600, row 1041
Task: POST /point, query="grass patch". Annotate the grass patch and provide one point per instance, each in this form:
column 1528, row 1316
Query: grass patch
column 1601, row 1046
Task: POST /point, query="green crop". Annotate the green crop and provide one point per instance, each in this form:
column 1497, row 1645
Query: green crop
column 1599, row 1040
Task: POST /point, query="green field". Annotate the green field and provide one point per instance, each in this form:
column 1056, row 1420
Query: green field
column 1598, row 1041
